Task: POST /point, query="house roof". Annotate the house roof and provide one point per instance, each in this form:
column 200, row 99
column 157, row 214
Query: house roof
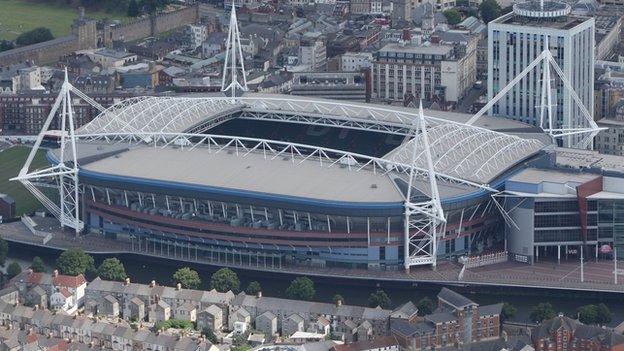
column 454, row 299
column 69, row 280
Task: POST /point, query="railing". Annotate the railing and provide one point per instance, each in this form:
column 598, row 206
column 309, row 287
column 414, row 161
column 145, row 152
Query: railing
column 30, row 224
column 484, row 260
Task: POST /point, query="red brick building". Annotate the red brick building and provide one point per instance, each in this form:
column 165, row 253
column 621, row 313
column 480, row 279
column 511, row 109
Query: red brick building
column 456, row 321
column 566, row 334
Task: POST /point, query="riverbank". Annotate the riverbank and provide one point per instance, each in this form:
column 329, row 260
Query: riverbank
column 146, row 269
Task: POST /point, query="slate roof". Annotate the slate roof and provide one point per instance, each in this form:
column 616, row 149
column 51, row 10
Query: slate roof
column 454, row 299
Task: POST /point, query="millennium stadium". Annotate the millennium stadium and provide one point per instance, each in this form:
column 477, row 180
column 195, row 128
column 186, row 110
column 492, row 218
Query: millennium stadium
column 324, row 183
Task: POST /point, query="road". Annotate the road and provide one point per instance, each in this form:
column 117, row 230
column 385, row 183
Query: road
column 472, row 96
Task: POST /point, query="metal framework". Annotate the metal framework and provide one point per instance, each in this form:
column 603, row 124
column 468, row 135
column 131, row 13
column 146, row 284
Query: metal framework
column 272, row 149
column 65, row 173
column 233, row 60
column 587, row 128
column 422, row 219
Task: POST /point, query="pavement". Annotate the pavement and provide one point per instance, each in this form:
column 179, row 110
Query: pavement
column 598, row 275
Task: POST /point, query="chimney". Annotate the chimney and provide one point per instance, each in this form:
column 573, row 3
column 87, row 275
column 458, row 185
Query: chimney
column 36, row 307
column 338, row 302
column 127, row 281
column 259, row 294
column 152, row 284
column 178, row 286
column 55, row 273
column 81, row 13
column 434, row 39
column 29, row 271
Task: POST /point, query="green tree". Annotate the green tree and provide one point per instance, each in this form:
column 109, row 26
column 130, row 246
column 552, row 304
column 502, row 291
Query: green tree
column 38, row 265
column 588, row 314
column 379, row 298
column 425, row 306
column 452, row 16
column 133, row 8
column 34, row 36
column 542, row 312
column 604, row 314
column 75, row 261
column 337, row 298
column 253, row 288
column 188, row 278
column 225, row 280
column 6, row 45
column 508, row 311
column 4, row 251
column 489, row 10
column 112, row 269
column 210, row 335
column 302, row 288
column 13, row 269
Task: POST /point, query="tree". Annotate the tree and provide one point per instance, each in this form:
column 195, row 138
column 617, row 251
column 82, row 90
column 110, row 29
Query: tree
column 604, row 314
column 75, row 261
column 302, row 288
column 4, row 251
column 425, row 306
column 337, row 298
column 13, row 269
column 588, row 314
column 188, row 278
column 38, row 265
column 489, row 10
column 253, row 288
column 210, row 335
column 112, row 269
column 6, row 45
column 542, row 312
column 508, row 311
column 379, row 298
column 34, row 36
column 225, row 280
column 452, row 16
column 133, row 8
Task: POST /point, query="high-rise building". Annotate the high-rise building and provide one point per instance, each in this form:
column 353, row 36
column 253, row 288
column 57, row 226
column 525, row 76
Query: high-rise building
column 517, row 38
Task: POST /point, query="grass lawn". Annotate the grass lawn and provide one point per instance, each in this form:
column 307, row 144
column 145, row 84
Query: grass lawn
column 11, row 161
column 19, row 16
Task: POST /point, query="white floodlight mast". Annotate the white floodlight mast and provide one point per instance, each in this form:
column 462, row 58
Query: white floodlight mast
column 422, row 219
column 65, row 173
column 590, row 130
column 234, row 60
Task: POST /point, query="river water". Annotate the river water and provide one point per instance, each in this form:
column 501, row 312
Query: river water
column 143, row 270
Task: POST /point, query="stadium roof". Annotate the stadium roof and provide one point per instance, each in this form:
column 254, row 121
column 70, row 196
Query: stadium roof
column 474, row 153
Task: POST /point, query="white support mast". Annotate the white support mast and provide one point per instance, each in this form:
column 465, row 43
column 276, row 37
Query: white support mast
column 234, row 60
column 422, row 219
column 64, row 175
column 588, row 128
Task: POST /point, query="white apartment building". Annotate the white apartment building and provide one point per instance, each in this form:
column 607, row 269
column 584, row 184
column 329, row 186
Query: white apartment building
column 313, row 53
column 517, row 38
column 198, row 34
column 355, row 61
column 431, row 72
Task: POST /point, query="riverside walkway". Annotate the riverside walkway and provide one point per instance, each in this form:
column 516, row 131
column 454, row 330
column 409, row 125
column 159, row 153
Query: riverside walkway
column 598, row 275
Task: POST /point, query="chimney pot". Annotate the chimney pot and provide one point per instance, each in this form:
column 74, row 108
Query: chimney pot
column 178, row 286
column 259, row 294
column 127, row 281
column 55, row 273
